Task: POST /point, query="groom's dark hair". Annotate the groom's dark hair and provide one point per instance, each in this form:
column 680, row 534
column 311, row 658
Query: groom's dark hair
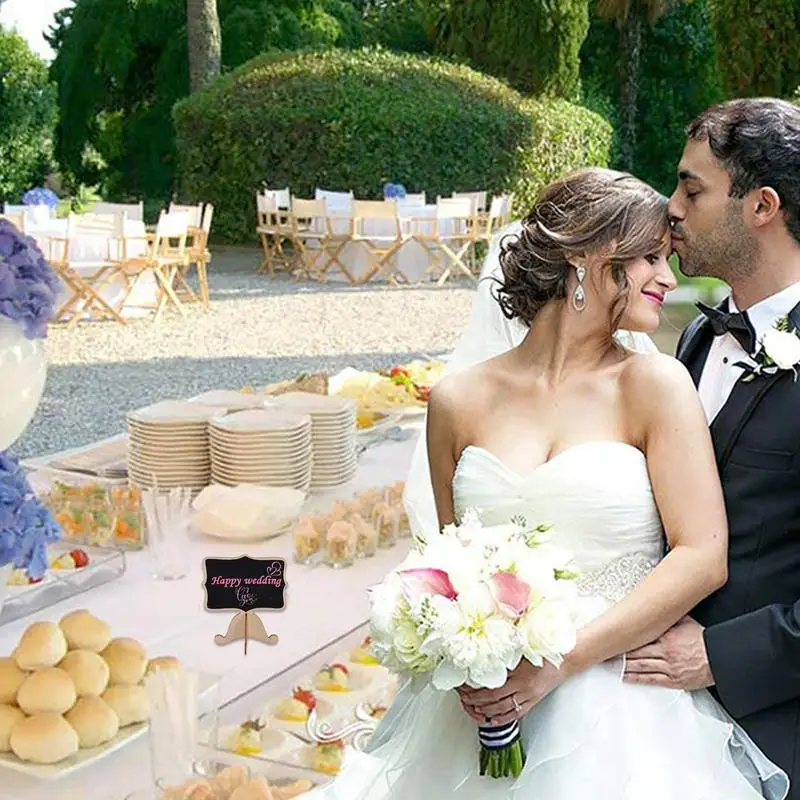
column 758, row 142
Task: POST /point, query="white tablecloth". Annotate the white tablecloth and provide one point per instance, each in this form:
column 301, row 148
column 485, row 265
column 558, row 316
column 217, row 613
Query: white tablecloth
column 412, row 259
column 87, row 252
column 169, row 618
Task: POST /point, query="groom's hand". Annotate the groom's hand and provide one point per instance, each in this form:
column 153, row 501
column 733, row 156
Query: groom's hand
column 678, row 660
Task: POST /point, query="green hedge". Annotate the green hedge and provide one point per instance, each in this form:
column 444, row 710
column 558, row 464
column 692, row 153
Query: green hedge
column 356, row 119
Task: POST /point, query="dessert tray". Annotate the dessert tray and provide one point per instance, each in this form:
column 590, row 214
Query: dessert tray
column 301, row 726
column 73, row 570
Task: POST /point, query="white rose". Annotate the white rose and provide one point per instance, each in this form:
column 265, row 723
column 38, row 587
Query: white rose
column 782, row 347
column 407, row 647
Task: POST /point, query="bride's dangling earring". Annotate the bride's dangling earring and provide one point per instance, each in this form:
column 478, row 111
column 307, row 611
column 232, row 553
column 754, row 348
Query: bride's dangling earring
column 579, row 295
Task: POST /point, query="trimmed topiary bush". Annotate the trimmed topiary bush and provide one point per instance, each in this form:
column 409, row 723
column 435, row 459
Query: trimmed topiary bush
column 345, row 120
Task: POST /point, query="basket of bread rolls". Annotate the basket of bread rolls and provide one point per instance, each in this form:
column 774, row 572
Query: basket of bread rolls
column 71, row 686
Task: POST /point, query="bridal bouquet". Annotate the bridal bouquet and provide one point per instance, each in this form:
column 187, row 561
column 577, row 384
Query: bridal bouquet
column 468, row 606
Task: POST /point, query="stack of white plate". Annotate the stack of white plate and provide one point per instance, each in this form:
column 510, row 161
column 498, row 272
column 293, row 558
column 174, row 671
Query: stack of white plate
column 334, row 435
column 264, row 447
column 230, row 400
column 168, row 445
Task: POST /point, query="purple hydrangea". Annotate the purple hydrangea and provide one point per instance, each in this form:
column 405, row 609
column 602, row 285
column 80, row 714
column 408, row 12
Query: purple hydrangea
column 26, row 526
column 40, row 197
column 29, row 286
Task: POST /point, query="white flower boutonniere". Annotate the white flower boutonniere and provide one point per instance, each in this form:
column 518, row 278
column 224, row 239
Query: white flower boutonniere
column 779, row 349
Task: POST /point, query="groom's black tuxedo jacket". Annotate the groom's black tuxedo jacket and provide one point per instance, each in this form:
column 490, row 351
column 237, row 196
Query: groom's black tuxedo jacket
column 753, row 623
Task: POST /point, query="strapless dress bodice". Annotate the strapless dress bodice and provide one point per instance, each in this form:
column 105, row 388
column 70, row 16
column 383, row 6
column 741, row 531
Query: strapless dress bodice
column 597, row 495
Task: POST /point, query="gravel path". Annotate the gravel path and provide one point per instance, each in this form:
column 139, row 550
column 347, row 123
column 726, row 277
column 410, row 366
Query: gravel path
column 259, row 330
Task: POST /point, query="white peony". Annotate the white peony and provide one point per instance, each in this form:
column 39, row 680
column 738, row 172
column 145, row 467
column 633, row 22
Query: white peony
column 782, row 347
column 548, row 631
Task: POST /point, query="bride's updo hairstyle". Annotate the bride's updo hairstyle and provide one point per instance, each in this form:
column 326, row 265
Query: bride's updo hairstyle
column 588, row 211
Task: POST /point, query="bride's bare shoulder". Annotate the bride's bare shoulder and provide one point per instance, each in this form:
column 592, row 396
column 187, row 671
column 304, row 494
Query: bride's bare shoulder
column 655, row 382
column 465, row 390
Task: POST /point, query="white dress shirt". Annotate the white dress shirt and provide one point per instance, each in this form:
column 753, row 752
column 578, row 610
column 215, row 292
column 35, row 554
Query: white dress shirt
column 719, row 373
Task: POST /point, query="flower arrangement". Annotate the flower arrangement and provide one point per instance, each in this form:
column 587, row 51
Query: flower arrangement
column 468, row 607
column 28, row 290
column 28, row 284
column 39, row 196
column 26, row 526
column 394, row 191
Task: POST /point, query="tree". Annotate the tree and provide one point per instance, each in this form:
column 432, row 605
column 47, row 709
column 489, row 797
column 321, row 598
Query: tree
column 679, row 79
column 205, row 42
column 764, row 35
column 533, row 44
column 632, row 17
column 27, row 118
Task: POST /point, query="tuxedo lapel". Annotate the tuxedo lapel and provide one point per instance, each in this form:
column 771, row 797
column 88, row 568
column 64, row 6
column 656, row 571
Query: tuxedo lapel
column 742, row 402
column 693, row 350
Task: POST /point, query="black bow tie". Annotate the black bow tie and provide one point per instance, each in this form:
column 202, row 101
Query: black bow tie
column 737, row 324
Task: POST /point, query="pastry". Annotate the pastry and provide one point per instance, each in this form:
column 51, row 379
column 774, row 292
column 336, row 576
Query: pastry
column 257, row 789
column 49, row 690
column 11, row 678
column 247, row 739
column 297, row 707
column 327, row 757
column 84, row 631
column 88, row 670
column 307, row 539
column 340, row 511
column 127, row 661
column 362, row 653
column 94, row 721
column 366, row 536
column 130, row 703
column 367, row 500
column 42, row 645
column 163, row 662
column 395, row 492
column 44, row 739
column 385, row 519
column 9, row 717
column 197, row 789
column 333, row 678
column 230, row 778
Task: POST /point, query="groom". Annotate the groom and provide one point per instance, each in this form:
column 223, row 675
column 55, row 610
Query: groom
column 736, row 216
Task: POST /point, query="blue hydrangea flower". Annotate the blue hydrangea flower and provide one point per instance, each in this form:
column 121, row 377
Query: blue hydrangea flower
column 29, row 286
column 40, row 196
column 26, row 526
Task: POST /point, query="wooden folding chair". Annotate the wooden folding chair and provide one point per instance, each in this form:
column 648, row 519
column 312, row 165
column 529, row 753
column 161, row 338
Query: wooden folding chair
column 273, row 228
column 166, row 255
column 376, row 224
column 493, row 220
column 199, row 255
column 316, row 243
column 451, row 232
column 85, row 290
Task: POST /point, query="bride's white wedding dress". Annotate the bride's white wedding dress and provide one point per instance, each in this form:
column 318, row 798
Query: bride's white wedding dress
column 595, row 736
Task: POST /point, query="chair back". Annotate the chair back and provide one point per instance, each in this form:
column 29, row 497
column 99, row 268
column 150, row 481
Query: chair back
column 478, row 198
column 134, row 211
column 338, row 202
column 194, row 213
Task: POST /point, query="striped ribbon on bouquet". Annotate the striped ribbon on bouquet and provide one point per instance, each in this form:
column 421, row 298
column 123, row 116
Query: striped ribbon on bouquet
column 496, row 738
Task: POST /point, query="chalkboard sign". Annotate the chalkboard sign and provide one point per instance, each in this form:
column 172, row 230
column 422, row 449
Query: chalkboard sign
column 244, row 583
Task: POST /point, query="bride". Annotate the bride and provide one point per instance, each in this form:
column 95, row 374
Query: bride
column 612, row 446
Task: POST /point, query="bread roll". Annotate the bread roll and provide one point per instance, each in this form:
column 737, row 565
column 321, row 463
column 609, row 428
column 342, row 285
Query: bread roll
column 42, row 645
column 11, row 678
column 47, row 691
column 88, row 670
column 231, row 778
column 197, row 789
column 44, row 739
column 84, row 631
column 163, row 662
column 130, row 703
column 94, row 721
column 127, row 661
column 9, row 717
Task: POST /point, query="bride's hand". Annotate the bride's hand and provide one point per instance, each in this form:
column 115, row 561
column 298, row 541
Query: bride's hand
column 527, row 684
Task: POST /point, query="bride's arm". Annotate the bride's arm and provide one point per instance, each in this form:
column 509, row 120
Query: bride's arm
column 666, row 417
column 442, row 456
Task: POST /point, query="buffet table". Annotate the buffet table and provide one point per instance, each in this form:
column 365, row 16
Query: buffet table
column 322, row 606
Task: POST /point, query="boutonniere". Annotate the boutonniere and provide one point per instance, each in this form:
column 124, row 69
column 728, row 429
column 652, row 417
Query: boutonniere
column 779, row 349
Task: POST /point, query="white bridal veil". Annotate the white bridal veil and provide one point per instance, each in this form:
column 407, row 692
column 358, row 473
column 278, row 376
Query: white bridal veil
column 488, row 333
